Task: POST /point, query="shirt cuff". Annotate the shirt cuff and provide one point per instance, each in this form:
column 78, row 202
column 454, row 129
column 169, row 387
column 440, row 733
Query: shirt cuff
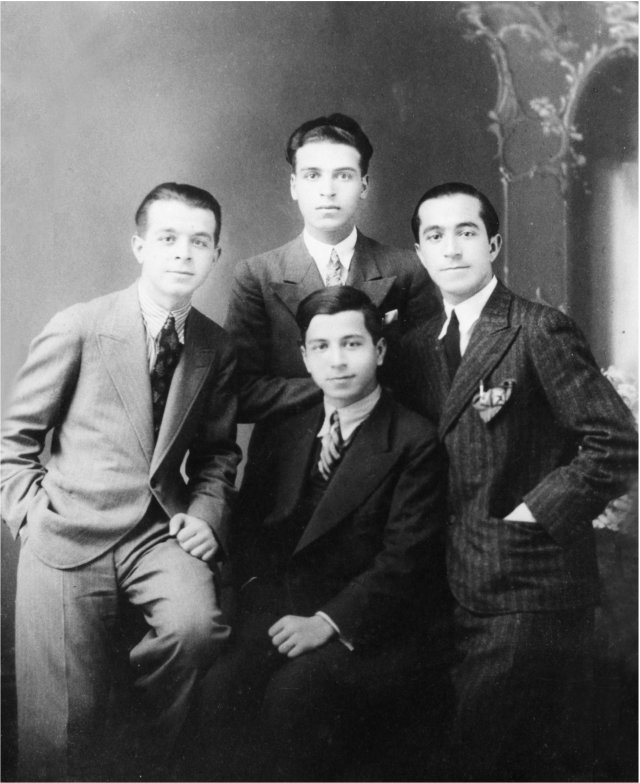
column 327, row 619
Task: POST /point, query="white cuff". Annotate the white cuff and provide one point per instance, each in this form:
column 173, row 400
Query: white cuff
column 327, row 619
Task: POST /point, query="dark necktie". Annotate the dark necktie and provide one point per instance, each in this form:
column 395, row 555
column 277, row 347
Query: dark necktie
column 332, row 447
column 452, row 344
column 169, row 349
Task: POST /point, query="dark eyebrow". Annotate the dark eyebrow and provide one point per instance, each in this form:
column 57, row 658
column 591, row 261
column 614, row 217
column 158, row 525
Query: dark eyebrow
column 169, row 230
column 318, row 168
column 466, row 224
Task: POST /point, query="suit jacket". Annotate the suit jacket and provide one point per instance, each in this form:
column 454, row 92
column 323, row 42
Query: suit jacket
column 87, row 380
column 372, row 553
column 264, row 298
column 564, row 443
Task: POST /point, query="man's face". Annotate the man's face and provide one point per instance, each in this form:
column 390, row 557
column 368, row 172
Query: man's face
column 176, row 252
column 328, row 185
column 453, row 246
column 341, row 357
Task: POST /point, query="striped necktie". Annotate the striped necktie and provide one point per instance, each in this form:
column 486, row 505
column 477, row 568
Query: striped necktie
column 332, row 447
column 334, row 269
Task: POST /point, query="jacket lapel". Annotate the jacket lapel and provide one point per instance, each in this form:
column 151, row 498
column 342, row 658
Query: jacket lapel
column 430, row 365
column 296, row 442
column 489, row 342
column 123, row 346
column 190, row 373
column 365, row 274
column 300, row 276
column 366, row 461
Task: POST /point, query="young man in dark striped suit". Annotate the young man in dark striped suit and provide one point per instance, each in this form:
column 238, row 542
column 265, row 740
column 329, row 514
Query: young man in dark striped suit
column 538, row 442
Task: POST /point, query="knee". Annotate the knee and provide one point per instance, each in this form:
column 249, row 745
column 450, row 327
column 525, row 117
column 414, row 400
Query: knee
column 195, row 638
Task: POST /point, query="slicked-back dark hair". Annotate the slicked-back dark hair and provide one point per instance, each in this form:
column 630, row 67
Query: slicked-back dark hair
column 487, row 211
column 338, row 299
column 188, row 194
column 337, row 128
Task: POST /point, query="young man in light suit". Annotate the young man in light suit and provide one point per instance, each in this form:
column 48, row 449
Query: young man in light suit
column 127, row 384
column 329, row 158
column 538, row 442
column 340, row 561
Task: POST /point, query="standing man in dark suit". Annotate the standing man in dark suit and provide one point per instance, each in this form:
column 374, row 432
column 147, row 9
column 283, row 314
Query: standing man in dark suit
column 329, row 159
column 341, row 560
column 128, row 385
column 538, row 441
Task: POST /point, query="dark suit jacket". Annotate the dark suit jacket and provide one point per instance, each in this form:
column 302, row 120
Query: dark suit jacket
column 564, row 443
column 372, row 553
column 87, row 380
column 264, row 298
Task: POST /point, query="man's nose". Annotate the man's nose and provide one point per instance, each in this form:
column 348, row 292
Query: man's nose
column 182, row 248
column 451, row 246
column 327, row 185
column 336, row 356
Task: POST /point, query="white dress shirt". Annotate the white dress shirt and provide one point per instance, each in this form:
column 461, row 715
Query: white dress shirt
column 468, row 313
column 320, row 252
column 351, row 416
column 154, row 318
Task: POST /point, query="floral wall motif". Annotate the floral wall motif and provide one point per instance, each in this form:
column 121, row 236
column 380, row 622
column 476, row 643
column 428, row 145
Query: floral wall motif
column 545, row 54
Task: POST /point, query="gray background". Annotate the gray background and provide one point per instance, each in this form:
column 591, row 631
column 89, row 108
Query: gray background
column 103, row 101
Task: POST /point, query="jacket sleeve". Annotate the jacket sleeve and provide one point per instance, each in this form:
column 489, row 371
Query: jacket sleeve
column 408, row 572
column 585, row 403
column 214, row 454
column 40, row 397
column 261, row 393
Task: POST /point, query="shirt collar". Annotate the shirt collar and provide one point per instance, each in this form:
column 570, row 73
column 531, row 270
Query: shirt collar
column 469, row 311
column 351, row 416
column 154, row 316
column 320, row 251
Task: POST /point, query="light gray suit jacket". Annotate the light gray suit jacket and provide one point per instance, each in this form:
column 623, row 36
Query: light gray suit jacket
column 87, row 381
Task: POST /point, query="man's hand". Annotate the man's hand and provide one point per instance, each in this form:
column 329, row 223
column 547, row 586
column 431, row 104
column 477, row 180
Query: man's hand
column 294, row 635
column 194, row 536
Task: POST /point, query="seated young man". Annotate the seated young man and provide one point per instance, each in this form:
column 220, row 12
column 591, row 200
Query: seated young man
column 127, row 385
column 340, row 561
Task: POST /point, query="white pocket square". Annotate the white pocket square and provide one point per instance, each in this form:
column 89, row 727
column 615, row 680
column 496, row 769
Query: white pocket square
column 390, row 316
column 489, row 402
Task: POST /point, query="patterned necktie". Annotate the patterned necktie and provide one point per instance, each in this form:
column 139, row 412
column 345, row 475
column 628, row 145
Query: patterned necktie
column 452, row 344
column 334, row 269
column 169, row 349
column 332, row 447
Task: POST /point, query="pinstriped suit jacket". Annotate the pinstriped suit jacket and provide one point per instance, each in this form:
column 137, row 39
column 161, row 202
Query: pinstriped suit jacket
column 564, row 443
column 87, row 380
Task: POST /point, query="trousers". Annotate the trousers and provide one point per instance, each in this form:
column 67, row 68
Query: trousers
column 523, row 686
column 66, row 622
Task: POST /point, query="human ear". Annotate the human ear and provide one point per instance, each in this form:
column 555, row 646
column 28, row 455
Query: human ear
column 365, row 186
column 292, row 186
column 495, row 244
column 381, row 350
column 137, row 245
